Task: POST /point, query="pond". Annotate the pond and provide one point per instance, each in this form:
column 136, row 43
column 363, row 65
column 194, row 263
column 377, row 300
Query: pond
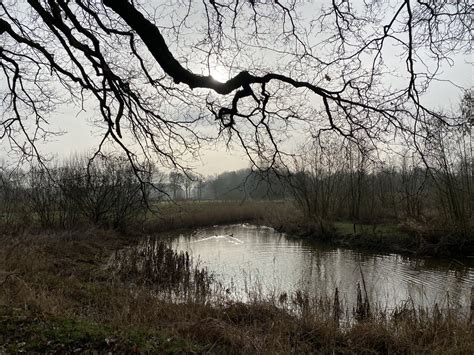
column 248, row 259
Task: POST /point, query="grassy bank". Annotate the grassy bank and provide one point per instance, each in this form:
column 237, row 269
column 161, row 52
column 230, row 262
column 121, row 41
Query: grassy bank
column 62, row 292
column 405, row 237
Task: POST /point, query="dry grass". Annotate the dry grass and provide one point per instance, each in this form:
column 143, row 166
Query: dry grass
column 152, row 263
column 61, row 296
column 407, row 237
column 196, row 214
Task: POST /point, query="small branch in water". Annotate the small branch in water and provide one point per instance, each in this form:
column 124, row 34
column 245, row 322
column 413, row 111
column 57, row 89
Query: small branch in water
column 471, row 318
column 337, row 307
column 362, row 310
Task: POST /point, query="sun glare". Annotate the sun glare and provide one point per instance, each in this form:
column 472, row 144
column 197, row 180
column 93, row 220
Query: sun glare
column 220, row 73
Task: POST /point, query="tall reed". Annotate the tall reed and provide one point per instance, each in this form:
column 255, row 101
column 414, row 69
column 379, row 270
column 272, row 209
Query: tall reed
column 153, row 263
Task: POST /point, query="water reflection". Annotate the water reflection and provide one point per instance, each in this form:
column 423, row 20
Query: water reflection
column 247, row 258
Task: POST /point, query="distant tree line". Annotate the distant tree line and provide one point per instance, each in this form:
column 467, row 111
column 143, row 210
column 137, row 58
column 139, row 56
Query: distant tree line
column 231, row 185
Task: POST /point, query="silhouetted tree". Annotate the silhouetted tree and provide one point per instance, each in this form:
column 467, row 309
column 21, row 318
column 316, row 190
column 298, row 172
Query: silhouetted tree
column 151, row 79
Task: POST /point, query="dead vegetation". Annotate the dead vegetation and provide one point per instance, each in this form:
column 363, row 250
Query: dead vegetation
column 195, row 214
column 58, row 294
column 154, row 264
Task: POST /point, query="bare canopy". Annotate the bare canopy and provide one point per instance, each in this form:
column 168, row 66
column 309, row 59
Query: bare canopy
column 360, row 70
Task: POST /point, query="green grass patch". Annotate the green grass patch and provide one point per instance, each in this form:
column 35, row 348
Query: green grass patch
column 26, row 331
column 375, row 237
column 349, row 228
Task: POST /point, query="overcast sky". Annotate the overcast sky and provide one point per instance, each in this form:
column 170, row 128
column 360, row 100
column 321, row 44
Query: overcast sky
column 82, row 135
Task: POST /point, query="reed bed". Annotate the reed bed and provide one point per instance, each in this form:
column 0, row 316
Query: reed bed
column 154, row 264
column 197, row 214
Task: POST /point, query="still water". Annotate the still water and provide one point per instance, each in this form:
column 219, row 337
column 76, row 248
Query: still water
column 247, row 259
